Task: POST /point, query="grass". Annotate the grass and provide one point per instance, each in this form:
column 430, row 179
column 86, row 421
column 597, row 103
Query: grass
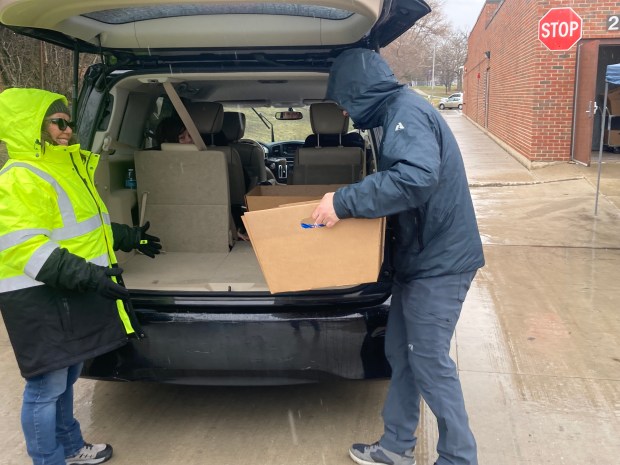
column 437, row 92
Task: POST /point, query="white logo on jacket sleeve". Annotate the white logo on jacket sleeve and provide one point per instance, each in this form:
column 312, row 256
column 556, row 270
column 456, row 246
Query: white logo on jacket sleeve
column 399, row 127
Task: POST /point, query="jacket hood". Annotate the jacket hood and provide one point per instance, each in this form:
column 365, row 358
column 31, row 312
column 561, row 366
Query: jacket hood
column 360, row 81
column 21, row 117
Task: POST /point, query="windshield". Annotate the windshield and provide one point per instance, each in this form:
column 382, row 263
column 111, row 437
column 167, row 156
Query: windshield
column 257, row 127
column 260, row 131
column 283, row 130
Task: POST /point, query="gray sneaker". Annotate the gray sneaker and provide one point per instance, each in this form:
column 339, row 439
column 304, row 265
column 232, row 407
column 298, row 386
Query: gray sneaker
column 373, row 454
column 91, row 454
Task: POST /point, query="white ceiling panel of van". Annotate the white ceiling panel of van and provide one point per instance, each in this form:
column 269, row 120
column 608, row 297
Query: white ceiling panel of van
column 170, row 24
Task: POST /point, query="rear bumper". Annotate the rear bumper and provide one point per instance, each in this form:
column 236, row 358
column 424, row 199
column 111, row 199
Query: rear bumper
column 232, row 348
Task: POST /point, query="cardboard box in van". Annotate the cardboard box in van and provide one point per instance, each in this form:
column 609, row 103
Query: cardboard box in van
column 297, row 258
column 263, row 197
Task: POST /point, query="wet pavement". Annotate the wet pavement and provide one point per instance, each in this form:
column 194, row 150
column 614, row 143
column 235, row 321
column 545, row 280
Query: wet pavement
column 538, row 349
column 538, row 344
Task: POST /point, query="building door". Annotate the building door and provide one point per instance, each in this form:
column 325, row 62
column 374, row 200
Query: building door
column 585, row 101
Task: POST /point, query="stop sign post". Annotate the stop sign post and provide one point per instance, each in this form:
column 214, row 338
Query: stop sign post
column 560, row 29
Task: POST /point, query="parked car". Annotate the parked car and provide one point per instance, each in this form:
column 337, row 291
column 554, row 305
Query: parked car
column 453, row 101
column 207, row 313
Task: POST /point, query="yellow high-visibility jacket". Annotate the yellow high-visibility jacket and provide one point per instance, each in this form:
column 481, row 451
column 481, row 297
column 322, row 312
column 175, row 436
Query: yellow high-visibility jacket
column 49, row 203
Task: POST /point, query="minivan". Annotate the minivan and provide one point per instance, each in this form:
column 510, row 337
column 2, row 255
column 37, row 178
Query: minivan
column 250, row 79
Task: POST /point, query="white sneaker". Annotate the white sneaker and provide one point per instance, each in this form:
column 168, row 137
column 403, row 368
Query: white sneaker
column 91, row 454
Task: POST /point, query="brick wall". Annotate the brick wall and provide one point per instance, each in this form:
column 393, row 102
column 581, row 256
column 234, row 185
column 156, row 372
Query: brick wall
column 524, row 93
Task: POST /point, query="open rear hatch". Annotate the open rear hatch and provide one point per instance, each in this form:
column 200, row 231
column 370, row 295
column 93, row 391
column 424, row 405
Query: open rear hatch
column 133, row 32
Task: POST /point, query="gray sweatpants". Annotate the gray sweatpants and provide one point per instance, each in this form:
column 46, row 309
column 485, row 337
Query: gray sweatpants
column 421, row 322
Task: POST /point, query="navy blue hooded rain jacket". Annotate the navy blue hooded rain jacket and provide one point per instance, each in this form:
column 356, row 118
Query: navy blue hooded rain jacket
column 421, row 180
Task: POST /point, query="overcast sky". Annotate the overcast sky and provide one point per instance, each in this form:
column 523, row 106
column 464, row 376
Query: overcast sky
column 463, row 13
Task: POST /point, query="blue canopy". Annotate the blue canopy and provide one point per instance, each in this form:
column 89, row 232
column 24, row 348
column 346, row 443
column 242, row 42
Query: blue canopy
column 613, row 74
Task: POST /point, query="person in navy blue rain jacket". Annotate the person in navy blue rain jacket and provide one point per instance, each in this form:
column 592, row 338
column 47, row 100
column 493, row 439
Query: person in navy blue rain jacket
column 421, row 184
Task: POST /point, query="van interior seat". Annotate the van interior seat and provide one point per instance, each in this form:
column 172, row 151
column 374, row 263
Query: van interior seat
column 329, row 128
column 251, row 153
column 167, row 146
column 317, row 163
column 209, row 118
column 185, row 196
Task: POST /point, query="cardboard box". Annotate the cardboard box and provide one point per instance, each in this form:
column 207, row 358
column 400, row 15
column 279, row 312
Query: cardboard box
column 294, row 258
column 612, row 138
column 613, row 102
column 263, row 197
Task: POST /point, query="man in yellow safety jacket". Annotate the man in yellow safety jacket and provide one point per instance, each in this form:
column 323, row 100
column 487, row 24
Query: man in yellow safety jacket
column 59, row 295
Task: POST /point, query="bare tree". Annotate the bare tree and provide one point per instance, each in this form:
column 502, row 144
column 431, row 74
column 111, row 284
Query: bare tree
column 450, row 57
column 27, row 62
column 19, row 59
column 410, row 55
column 431, row 39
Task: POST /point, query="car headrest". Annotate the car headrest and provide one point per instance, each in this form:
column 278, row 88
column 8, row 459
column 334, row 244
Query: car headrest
column 327, row 118
column 208, row 116
column 233, row 127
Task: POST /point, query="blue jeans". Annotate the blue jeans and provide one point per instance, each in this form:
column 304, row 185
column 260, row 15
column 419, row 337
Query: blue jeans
column 421, row 323
column 51, row 431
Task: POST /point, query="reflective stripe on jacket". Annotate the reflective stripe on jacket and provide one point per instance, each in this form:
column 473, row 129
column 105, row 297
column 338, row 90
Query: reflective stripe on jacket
column 81, row 229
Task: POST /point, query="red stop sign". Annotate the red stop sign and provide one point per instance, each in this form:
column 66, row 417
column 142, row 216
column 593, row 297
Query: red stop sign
column 560, row 28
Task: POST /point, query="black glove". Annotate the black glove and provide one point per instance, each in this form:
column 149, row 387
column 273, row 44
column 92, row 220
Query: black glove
column 145, row 243
column 108, row 288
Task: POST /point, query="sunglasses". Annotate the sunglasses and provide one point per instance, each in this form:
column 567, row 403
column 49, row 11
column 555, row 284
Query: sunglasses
column 61, row 123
